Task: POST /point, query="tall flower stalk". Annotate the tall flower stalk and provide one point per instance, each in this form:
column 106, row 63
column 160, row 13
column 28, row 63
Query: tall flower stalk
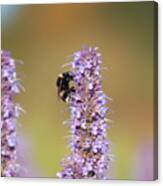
column 10, row 87
column 89, row 157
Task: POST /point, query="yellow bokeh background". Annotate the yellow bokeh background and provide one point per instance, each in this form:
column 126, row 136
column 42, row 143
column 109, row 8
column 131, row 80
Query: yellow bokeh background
column 44, row 37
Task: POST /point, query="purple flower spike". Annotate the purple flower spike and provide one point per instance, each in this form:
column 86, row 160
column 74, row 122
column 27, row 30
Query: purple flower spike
column 89, row 156
column 10, row 86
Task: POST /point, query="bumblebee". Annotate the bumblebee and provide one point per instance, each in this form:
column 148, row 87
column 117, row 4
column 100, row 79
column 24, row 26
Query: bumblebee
column 63, row 85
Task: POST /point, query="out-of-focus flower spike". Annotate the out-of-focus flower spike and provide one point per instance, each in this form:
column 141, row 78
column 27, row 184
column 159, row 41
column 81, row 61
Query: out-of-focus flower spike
column 9, row 116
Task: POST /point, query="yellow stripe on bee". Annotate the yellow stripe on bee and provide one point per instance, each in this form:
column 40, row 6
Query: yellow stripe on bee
column 61, row 93
column 67, row 99
column 60, row 75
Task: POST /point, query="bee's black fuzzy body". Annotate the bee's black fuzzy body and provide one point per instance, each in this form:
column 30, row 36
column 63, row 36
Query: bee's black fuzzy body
column 63, row 85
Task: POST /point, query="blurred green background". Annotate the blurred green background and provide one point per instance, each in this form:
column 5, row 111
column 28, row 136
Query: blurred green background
column 44, row 36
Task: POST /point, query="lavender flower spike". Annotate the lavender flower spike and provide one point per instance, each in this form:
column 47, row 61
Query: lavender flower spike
column 89, row 156
column 9, row 113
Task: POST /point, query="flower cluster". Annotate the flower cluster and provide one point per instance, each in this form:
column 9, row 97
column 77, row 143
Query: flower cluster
column 10, row 86
column 89, row 156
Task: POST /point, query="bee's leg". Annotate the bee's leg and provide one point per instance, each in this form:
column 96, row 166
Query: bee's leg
column 71, row 77
column 59, row 81
column 65, row 96
column 72, row 89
